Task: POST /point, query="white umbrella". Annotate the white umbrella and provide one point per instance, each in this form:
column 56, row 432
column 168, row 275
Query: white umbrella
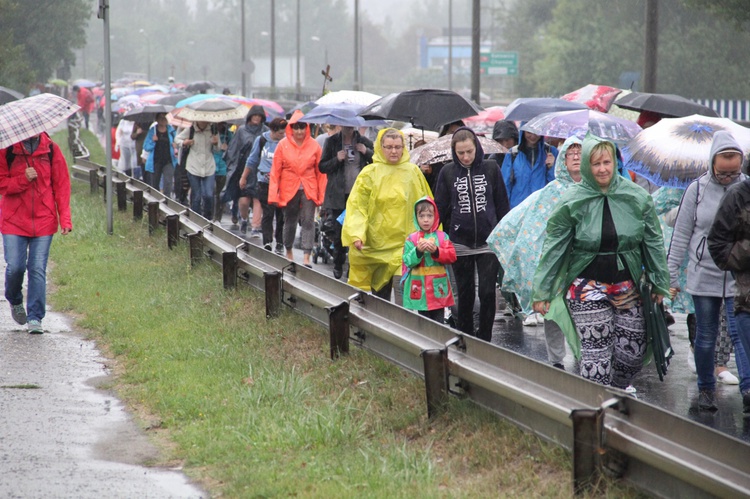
column 25, row 118
column 212, row 111
column 348, row 97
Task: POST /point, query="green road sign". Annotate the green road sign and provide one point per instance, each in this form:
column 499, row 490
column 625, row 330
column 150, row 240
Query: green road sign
column 499, row 63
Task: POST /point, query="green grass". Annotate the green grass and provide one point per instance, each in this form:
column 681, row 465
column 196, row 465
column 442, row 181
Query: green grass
column 256, row 408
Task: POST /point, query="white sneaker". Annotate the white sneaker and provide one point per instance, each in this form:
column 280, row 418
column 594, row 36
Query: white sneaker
column 539, row 319
column 530, row 320
column 727, row 378
column 631, row 389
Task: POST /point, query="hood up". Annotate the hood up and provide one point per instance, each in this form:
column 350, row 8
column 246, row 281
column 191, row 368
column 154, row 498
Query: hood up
column 435, row 223
column 379, row 155
column 723, row 142
column 478, row 155
column 294, row 119
column 587, row 177
column 561, row 171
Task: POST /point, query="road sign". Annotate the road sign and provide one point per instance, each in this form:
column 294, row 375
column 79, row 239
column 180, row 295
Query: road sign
column 499, row 63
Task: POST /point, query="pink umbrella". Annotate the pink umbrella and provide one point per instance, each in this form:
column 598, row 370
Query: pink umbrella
column 485, row 120
column 596, row 97
column 267, row 104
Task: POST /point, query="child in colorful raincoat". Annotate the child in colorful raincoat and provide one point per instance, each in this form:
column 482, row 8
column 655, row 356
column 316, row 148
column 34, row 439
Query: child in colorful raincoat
column 427, row 287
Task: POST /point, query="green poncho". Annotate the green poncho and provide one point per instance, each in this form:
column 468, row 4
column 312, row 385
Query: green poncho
column 574, row 238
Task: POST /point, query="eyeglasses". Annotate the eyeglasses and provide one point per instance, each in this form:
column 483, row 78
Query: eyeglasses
column 299, row 126
column 573, row 154
column 724, row 176
column 393, row 148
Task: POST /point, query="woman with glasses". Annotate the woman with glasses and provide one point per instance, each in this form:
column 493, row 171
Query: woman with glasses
column 706, row 282
column 379, row 214
column 602, row 239
column 296, row 185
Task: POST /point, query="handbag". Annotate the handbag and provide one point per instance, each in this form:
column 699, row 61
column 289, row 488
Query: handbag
column 657, row 334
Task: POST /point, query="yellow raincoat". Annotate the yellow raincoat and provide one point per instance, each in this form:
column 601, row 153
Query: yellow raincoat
column 379, row 212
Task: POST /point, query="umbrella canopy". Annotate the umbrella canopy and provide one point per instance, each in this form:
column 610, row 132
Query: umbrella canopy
column 413, row 135
column 8, row 95
column 200, row 86
column 440, row 150
column 176, row 121
column 172, row 99
column 348, row 97
column 486, row 118
column 564, row 124
column 213, row 111
column 423, row 108
column 271, row 108
column 83, row 83
column 596, row 97
column 339, row 114
column 140, row 83
column 146, row 113
column 669, row 105
column 305, row 107
column 525, row 108
column 31, row 116
column 57, row 82
column 676, row 151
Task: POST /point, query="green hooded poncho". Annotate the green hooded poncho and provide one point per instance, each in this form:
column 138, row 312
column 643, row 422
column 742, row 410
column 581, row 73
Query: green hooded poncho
column 574, row 238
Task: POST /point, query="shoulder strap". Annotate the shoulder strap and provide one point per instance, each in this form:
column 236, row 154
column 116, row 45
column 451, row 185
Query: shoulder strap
column 10, row 156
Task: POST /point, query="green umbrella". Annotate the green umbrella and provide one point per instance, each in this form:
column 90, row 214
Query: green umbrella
column 58, row 82
column 657, row 334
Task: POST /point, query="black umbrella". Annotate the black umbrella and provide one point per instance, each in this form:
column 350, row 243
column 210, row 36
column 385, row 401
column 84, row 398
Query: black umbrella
column 172, row 99
column 146, row 114
column 526, row 108
column 669, row 105
column 200, row 86
column 423, row 108
column 8, row 95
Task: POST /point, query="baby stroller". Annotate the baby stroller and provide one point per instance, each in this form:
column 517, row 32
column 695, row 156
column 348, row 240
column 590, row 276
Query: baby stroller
column 323, row 249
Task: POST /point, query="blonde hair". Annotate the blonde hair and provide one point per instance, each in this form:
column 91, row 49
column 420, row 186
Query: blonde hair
column 601, row 148
column 392, row 133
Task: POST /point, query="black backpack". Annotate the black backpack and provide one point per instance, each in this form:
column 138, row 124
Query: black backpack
column 10, row 156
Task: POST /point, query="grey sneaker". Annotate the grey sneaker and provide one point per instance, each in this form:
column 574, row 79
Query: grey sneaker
column 256, row 233
column 707, row 400
column 18, row 312
column 35, row 327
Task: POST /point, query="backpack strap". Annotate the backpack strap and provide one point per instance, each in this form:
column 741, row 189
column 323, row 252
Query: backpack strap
column 10, row 156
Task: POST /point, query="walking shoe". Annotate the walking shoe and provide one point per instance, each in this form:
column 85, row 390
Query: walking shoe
column 559, row 365
column 256, row 233
column 337, row 271
column 35, row 327
column 532, row 320
column 18, row 312
column 243, row 226
column 707, row 400
column 279, row 250
column 631, row 389
column 267, row 247
column 746, row 402
column 727, row 378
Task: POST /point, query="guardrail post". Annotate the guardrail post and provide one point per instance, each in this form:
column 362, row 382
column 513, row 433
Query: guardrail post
column 272, row 282
column 196, row 248
column 436, row 380
column 153, row 216
column 94, row 181
column 122, row 202
column 229, row 269
column 137, row 205
column 338, row 328
column 173, row 230
column 587, row 428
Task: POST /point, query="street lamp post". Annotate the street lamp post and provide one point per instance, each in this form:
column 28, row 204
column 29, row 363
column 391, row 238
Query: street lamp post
column 148, row 53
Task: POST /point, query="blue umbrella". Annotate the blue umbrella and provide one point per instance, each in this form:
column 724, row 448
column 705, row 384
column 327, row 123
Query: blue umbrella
column 525, row 108
column 339, row 114
column 196, row 98
column 83, row 83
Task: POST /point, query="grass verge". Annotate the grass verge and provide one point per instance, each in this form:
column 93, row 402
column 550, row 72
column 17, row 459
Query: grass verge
column 255, row 408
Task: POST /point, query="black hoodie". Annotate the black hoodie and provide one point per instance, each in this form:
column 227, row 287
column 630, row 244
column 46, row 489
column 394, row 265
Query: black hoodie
column 471, row 200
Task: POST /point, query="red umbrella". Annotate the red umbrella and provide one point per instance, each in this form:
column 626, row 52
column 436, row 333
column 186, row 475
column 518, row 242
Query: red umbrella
column 485, row 120
column 596, row 97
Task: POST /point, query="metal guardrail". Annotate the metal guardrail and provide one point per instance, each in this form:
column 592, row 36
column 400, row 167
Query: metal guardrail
column 607, row 430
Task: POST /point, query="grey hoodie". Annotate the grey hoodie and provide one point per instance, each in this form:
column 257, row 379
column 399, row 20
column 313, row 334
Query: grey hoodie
column 697, row 210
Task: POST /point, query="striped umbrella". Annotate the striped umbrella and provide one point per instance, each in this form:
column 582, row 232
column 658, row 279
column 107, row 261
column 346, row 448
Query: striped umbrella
column 25, row 118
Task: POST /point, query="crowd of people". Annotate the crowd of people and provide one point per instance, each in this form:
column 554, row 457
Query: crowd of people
column 559, row 228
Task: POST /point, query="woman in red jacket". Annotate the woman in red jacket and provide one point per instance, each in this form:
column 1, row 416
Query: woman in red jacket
column 296, row 184
column 35, row 190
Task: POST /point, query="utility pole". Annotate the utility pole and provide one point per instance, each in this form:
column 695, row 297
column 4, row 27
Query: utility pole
column 475, row 33
column 242, row 42
column 273, row 48
column 450, row 44
column 298, row 86
column 651, row 46
column 356, row 45
column 103, row 14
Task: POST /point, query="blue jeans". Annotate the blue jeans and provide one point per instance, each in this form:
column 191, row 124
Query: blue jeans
column 22, row 253
column 707, row 309
column 202, row 194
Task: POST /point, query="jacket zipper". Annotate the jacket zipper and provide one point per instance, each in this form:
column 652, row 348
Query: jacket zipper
column 472, row 199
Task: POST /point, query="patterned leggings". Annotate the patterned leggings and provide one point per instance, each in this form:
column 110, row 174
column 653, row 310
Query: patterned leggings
column 613, row 341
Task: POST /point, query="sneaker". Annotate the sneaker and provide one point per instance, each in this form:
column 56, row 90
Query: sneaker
column 18, row 312
column 337, row 272
column 256, row 233
column 727, row 378
column 559, row 365
column 530, row 320
column 267, row 247
column 35, row 327
column 243, row 226
column 631, row 389
column 707, row 400
column 279, row 250
column 746, row 402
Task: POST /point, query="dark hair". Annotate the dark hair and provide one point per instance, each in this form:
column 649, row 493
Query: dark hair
column 277, row 124
column 462, row 135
